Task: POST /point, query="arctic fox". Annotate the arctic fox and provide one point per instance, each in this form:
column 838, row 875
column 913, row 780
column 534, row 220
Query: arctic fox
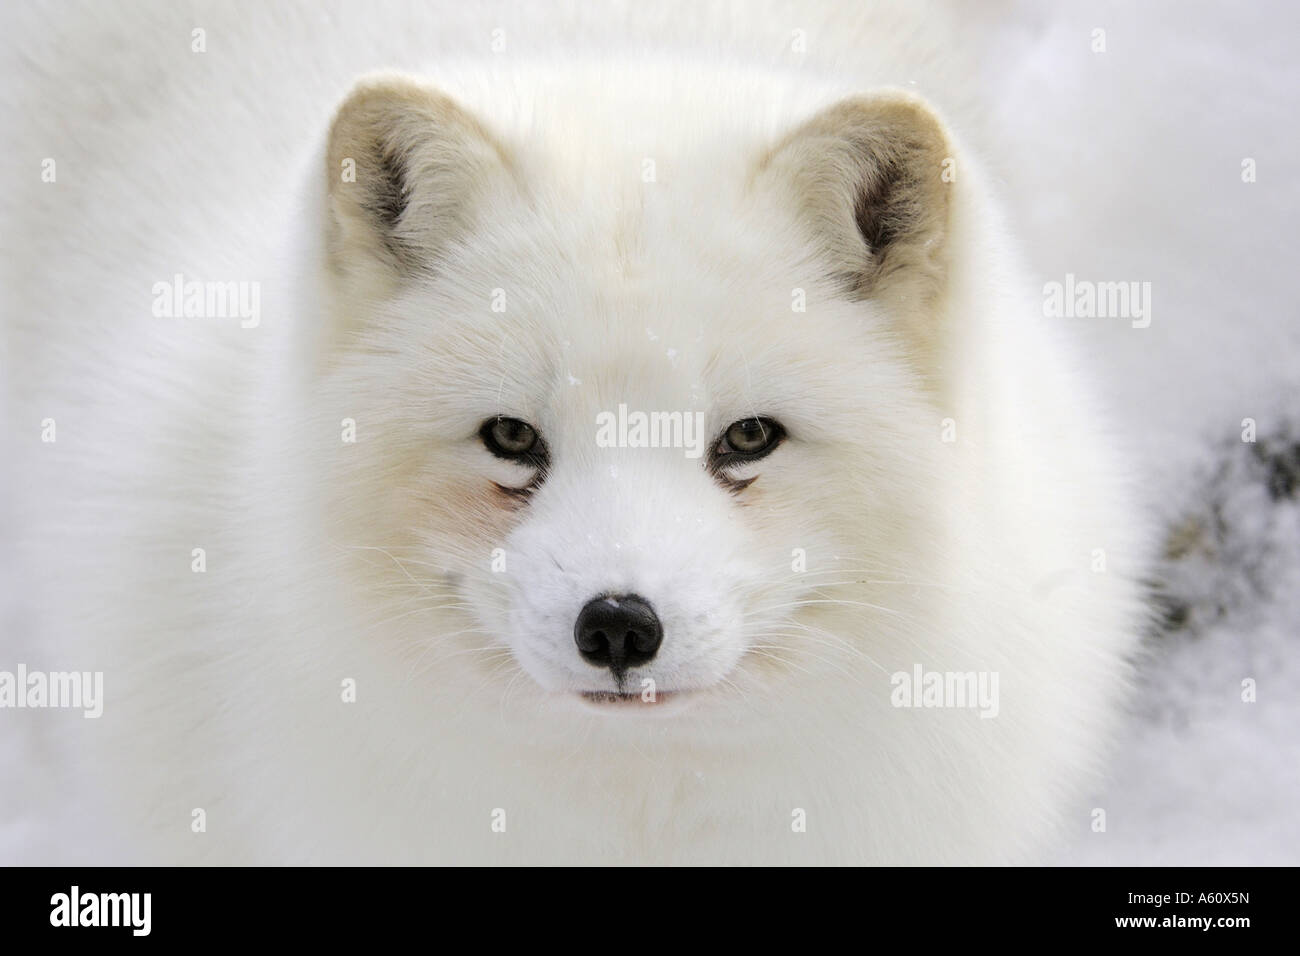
column 644, row 464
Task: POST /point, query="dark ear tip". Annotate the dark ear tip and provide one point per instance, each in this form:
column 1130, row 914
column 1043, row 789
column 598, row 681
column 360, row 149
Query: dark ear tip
column 376, row 104
column 900, row 129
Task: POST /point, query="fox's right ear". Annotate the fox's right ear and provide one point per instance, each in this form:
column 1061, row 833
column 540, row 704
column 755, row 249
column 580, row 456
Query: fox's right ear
column 408, row 170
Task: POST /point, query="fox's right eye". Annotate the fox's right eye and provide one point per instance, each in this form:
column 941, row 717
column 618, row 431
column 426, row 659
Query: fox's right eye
column 510, row 438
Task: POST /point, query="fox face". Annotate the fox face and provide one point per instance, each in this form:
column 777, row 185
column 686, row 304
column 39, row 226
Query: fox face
column 645, row 436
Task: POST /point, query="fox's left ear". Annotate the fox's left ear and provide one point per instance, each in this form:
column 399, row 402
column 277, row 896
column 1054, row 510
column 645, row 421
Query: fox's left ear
column 867, row 177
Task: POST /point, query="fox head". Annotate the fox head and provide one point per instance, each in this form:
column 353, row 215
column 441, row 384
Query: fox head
column 642, row 399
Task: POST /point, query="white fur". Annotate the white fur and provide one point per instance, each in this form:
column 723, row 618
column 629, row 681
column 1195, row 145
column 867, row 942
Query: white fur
column 372, row 561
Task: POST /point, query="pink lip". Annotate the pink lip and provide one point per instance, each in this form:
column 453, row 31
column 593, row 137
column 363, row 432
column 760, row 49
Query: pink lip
column 610, row 698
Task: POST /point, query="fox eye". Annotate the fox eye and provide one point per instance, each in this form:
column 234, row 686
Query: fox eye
column 510, row 438
column 747, row 440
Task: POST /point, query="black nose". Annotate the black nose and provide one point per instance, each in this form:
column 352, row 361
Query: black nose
column 618, row 632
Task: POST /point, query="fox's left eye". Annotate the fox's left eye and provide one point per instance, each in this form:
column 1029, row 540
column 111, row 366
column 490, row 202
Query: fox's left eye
column 748, row 439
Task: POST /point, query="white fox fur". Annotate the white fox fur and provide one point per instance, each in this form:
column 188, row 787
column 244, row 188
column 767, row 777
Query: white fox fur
column 947, row 496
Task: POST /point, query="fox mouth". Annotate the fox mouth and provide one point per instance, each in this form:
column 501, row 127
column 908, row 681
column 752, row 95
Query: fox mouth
column 662, row 702
column 615, row 698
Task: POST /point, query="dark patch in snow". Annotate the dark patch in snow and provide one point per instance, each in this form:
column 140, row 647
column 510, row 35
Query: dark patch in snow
column 1237, row 542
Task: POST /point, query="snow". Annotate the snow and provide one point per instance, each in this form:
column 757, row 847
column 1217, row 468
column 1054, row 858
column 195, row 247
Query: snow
column 1211, row 769
column 1127, row 165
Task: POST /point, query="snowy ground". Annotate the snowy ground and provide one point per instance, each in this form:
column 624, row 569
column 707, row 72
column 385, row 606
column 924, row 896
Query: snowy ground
column 1147, row 142
column 1211, row 771
column 1118, row 165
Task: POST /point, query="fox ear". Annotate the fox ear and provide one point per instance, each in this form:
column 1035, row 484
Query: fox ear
column 867, row 177
column 408, row 169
